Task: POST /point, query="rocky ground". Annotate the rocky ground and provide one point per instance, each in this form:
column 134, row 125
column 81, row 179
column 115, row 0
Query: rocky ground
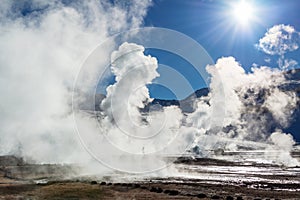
column 18, row 181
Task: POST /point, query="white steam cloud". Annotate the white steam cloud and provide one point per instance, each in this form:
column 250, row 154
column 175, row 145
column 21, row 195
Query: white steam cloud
column 147, row 133
column 43, row 45
column 251, row 103
column 41, row 51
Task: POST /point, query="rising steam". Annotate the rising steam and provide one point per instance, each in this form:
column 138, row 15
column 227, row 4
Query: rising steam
column 43, row 45
column 253, row 107
column 40, row 55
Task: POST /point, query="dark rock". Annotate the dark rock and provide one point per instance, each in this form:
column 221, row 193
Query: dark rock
column 153, row 189
column 229, row 198
column 201, row 196
column 215, row 197
column 103, row 183
column 167, row 191
column 93, row 182
column 173, row 192
column 156, row 189
column 159, row 190
column 239, row 198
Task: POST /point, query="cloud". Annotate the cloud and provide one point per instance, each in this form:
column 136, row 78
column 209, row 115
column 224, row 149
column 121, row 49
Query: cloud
column 279, row 40
column 268, row 60
column 283, row 144
column 123, row 122
column 281, row 104
column 42, row 48
column 250, row 105
column 289, row 63
column 128, row 64
column 43, row 44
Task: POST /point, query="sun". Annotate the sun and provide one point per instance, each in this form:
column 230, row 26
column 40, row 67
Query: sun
column 243, row 12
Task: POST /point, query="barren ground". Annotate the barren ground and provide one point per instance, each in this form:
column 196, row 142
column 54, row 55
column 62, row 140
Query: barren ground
column 21, row 184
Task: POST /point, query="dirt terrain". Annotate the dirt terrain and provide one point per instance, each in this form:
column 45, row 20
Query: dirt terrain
column 94, row 190
column 18, row 180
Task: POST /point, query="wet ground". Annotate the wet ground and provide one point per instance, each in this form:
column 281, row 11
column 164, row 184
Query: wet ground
column 195, row 179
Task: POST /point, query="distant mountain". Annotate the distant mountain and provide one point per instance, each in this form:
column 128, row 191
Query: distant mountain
column 186, row 104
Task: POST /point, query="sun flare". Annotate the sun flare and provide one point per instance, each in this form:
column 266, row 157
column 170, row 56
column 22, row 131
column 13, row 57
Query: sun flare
column 243, row 12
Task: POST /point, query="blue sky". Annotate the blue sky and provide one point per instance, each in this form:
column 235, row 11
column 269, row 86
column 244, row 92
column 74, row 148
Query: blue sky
column 208, row 23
